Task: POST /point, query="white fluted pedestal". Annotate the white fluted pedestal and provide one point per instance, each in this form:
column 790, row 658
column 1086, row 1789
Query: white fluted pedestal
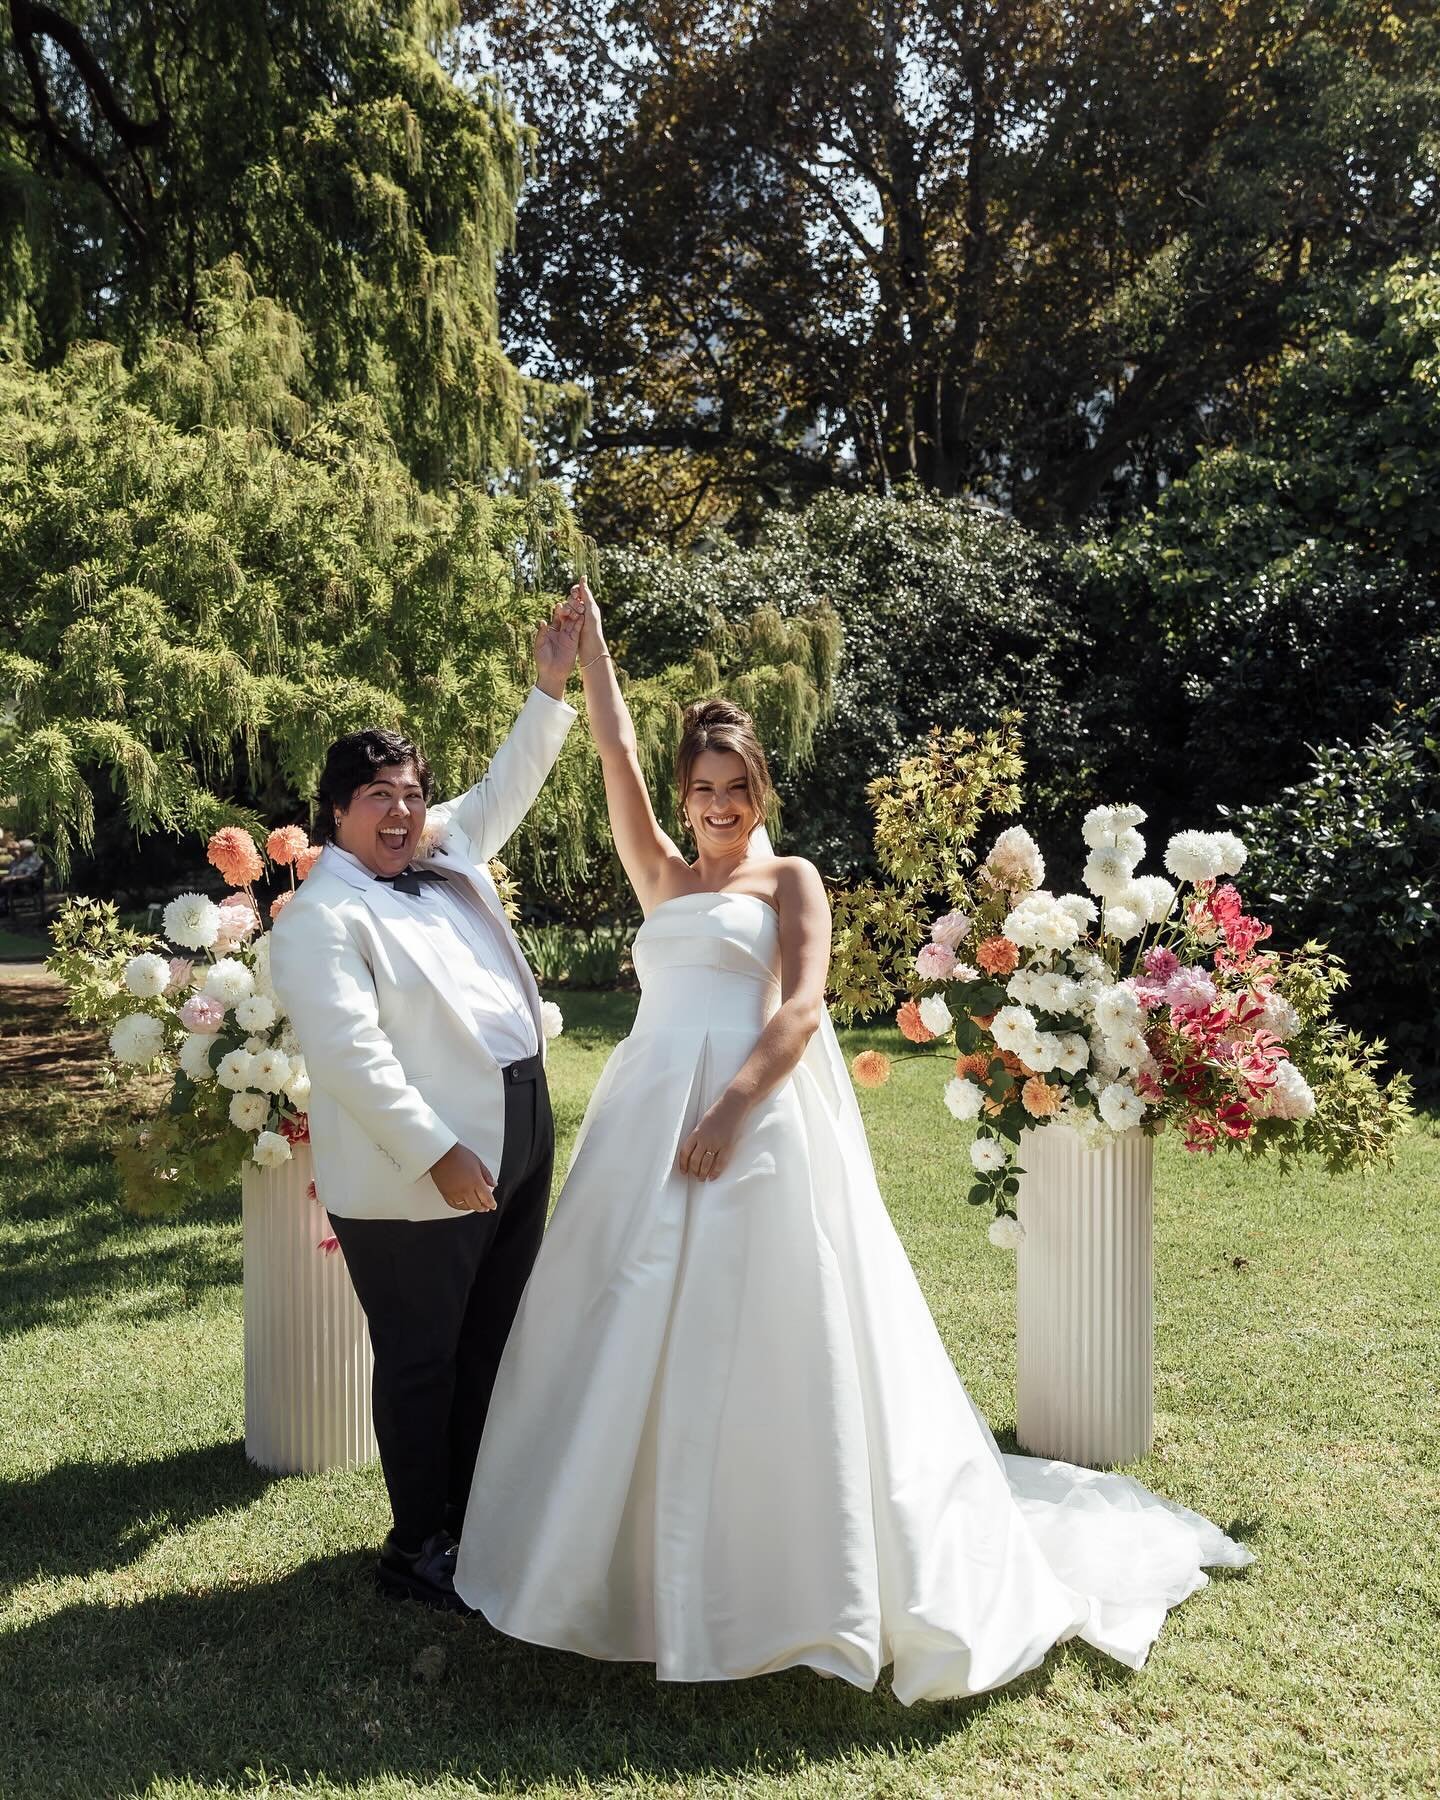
column 307, row 1350
column 1085, row 1349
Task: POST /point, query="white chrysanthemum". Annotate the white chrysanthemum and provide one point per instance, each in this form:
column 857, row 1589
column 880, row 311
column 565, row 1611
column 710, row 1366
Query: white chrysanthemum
column 1292, row 1096
column 147, row 976
column 256, row 1044
column 249, row 1110
column 297, row 1088
column 987, row 1154
column 1123, row 923
column 935, row 1015
column 1194, row 856
column 1015, row 861
column 1231, row 852
column 1081, row 909
column 1280, row 1017
column 1116, row 1009
column 255, row 1014
column 1156, row 897
column 1108, row 872
column 964, row 1097
column 233, row 1069
column 1073, row 1054
column 137, row 1038
column 1129, row 1046
column 552, row 1020
column 1039, row 922
column 1121, row 1107
column 229, row 981
column 1012, row 1027
column 1099, row 828
column 195, row 1055
column 260, row 964
column 1093, row 966
column 192, row 921
column 1006, row 1232
column 270, row 1070
column 1130, row 843
column 1056, row 993
column 271, row 1150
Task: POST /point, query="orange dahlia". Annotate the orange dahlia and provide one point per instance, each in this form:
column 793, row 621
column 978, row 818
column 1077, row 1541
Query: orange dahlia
column 975, row 1066
column 285, row 843
column 232, row 851
column 1039, row 1098
column 307, row 859
column 912, row 1026
column 998, row 956
column 871, row 1068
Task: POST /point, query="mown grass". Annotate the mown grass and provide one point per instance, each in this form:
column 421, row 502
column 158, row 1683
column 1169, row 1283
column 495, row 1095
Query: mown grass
column 173, row 1622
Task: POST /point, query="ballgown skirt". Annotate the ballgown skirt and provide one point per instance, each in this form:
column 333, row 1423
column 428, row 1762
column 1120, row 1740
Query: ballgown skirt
column 726, row 1437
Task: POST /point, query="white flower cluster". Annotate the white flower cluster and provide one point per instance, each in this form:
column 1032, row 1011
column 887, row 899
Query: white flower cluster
column 1204, row 855
column 1016, row 1029
column 552, row 1020
column 192, row 921
column 935, row 1015
column 147, row 976
column 1292, row 1097
column 1006, row 1232
column 1041, row 922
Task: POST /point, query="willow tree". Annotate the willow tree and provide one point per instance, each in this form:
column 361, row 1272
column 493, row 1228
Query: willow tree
column 328, row 146
column 265, row 469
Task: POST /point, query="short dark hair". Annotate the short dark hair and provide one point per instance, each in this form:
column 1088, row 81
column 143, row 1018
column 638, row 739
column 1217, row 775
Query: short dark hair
column 352, row 762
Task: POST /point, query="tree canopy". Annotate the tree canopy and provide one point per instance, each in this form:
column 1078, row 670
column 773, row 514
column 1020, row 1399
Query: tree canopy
column 330, row 146
column 1025, row 251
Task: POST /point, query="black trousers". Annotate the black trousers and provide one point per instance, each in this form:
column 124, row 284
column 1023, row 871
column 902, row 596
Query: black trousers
column 440, row 1296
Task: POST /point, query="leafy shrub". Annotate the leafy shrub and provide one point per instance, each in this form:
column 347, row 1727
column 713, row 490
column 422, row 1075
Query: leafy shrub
column 1351, row 856
column 563, row 956
column 950, row 618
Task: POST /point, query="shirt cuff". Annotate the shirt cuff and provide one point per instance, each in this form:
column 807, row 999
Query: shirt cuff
column 559, row 706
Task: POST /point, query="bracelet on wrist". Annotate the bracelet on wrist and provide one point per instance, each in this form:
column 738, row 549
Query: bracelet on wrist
column 594, row 659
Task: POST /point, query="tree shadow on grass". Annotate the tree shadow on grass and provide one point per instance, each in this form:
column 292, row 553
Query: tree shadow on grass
column 81, row 1517
column 313, row 1675
column 72, row 1253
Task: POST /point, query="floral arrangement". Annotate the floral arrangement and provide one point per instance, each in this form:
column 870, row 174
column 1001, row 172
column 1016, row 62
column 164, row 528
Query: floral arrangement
column 1144, row 1002
column 197, row 1006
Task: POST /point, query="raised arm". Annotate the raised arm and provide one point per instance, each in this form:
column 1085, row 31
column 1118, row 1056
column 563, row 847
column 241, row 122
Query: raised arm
column 804, row 963
column 491, row 812
column 644, row 849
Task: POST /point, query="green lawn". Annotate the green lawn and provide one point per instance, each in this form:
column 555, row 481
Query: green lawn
column 173, row 1622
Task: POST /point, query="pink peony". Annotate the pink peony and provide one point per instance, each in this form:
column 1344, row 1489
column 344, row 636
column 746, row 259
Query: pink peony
column 180, row 972
column 307, row 860
column 232, row 851
column 1190, row 990
column 1161, row 964
column 278, row 905
column 951, row 931
column 236, row 924
column 201, row 1013
column 285, row 843
column 935, row 962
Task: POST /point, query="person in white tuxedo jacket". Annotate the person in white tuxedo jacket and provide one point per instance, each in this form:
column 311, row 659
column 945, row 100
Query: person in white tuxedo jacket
column 430, row 1122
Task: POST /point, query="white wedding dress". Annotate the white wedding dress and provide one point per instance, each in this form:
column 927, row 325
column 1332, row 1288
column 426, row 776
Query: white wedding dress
column 726, row 1437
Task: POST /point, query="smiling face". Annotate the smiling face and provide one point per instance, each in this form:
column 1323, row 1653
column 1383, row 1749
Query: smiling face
column 718, row 803
column 383, row 822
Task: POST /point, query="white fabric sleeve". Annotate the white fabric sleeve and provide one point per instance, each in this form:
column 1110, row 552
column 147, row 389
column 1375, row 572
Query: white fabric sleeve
column 491, row 812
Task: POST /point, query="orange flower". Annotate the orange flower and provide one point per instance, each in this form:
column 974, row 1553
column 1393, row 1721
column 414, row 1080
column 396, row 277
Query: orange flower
column 911, row 1025
column 307, row 859
column 1013, row 1064
column 285, row 843
column 983, row 1020
column 279, row 903
column 993, row 1108
column 871, row 1068
column 1039, row 1099
column 998, row 956
column 975, row 1066
column 232, row 851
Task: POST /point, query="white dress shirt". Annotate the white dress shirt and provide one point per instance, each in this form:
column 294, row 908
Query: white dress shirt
column 467, row 940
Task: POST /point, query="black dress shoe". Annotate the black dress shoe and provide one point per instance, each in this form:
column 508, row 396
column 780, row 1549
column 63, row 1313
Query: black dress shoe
column 428, row 1576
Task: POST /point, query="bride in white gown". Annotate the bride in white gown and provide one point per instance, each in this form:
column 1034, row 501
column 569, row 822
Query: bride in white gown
column 726, row 1437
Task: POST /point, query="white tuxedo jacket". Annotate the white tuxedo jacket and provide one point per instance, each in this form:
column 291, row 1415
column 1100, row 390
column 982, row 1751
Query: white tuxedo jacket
column 396, row 1073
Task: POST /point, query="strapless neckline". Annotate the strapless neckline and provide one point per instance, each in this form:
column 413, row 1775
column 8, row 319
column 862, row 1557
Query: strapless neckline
column 712, row 894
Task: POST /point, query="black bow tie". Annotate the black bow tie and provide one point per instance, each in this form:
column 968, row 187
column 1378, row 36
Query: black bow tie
column 408, row 880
